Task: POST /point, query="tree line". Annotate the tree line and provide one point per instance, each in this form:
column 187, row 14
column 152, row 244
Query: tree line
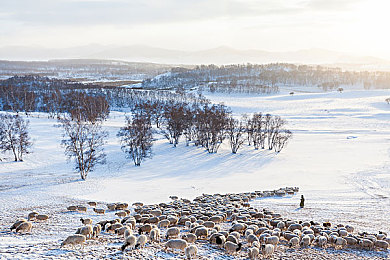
column 266, row 78
column 205, row 125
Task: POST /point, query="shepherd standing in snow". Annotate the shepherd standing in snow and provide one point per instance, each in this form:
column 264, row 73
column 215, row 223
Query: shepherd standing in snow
column 302, row 204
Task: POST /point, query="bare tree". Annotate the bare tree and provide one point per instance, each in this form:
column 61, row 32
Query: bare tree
column 83, row 141
column 281, row 139
column 137, row 138
column 14, row 135
column 173, row 124
column 235, row 130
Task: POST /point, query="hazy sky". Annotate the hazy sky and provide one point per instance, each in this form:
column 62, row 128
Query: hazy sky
column 356, row 26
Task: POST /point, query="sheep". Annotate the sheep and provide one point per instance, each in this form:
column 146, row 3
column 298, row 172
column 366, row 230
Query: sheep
column 232, row 239
column 191, row 251
column 236, row 234
column 248, row 232
column 321, row 241
column 155, row 235
column 81, row 208
column 17, row 223
column 121, row 231
column 92, row 203
column 129, row 241
column 163, row 223
column 141, row 241
column 25, row 226
column 190, row 238
column 381, row 244
column 113, row 227
column 351, row 241
column 273, row 240
column 209, row 224
column 42, row 217
column 216, row 219
column 86, row 221
column 281, row 225
column 87, row 231
column 240, row 227
column 96, row 230
column 99, row 211
column 145, row 228
column 220, row 240
column 232, row 248
column 267, row 250
column 305, row 241
column 201, row 232
column 349, row 228
column 294, row 241
column 111, row 206
column 176, row 244
column 74, row 240
column 172, row 232
column 121, row 214
column 253, row 252
column 130, row 221
column 340, row 242
column 127, row 233
column 32, row 215
column 343, row 233
column 72, row 208
column 121, row 206
column 156, row 212
column 292, row 227
column 252, row 238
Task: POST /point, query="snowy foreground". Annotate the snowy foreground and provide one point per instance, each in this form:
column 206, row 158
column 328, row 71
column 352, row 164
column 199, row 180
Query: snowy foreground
column 339, row 157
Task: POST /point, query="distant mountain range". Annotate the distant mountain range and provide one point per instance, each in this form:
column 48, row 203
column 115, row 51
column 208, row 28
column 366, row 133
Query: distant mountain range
column 220, row 55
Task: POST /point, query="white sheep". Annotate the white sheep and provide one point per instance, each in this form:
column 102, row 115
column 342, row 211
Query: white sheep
column 173, row 244
column 24, row 227
column 294, row 241
column 99, row 211
column 96, row 230
column 121, row 231
column 252, row 238
column 172, row 232
column 201, row 232
column 305, row 241
column 130, row 241
column 191, row 251
column 381, row 244
column 73, row 240
column 86, row 221
column 163, row 223
column 340, row 242
column 42, row 217
column 141, row 241
column 190, row 238
column 87, row 231
column 155, row 235
column 232, row 248
column 17, row 223
column 253, row 252
column 239, row 227
column 321, row 241
column 273, row 240
column 267, row 250
column 32, row 215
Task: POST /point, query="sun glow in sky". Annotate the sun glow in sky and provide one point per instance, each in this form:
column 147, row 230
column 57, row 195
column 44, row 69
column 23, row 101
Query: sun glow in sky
column 355, row 26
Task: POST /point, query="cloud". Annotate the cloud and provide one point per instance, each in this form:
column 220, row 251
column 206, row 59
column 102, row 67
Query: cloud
column 130, row 13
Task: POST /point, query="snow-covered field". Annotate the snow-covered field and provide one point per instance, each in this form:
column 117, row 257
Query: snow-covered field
column 339, row 157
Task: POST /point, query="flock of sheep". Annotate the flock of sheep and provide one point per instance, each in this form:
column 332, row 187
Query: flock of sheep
column 224, row 221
